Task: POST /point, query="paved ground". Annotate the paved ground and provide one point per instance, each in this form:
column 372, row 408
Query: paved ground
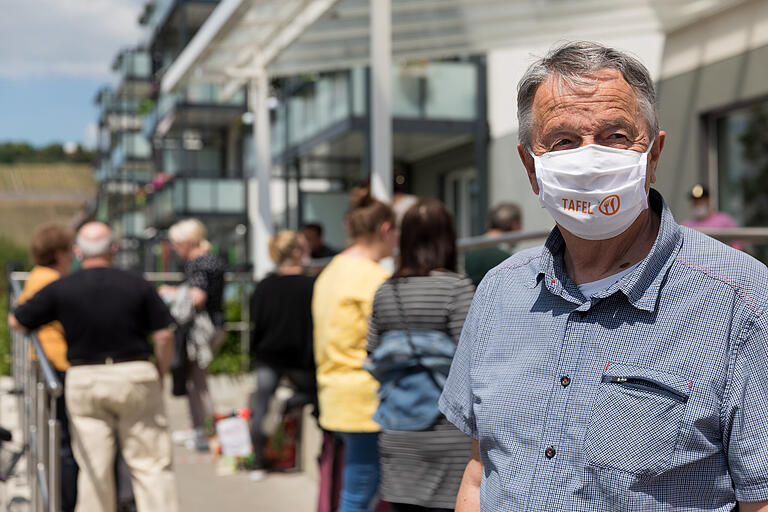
column 200, row 487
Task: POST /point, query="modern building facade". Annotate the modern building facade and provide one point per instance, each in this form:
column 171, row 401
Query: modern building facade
column 125, row 154
column 453, row 108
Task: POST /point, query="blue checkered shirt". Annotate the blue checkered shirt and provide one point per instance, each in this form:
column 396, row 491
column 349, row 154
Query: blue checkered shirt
column 650, row 396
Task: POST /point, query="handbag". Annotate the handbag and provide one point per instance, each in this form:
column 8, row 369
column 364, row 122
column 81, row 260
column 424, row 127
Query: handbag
column 411, row 366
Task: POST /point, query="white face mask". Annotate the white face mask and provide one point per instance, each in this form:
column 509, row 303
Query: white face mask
column 595, row 192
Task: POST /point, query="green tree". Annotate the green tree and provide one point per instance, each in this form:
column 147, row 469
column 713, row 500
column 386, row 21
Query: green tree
column 21, row 152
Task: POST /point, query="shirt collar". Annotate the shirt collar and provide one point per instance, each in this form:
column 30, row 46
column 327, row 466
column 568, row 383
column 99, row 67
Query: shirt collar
column 641, row 287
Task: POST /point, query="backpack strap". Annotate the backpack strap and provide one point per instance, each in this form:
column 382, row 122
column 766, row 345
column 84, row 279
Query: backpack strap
column 408, row 338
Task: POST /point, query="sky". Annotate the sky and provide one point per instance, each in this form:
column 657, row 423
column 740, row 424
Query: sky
column 54, row 56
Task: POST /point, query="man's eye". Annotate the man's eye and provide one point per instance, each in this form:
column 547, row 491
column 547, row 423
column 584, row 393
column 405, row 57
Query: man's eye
column 617, row 136
column 561, row 143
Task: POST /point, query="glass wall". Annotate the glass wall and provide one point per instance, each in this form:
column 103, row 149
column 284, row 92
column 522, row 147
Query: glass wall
column 742, row 167
column 742, row 164
column 198, row 196
column 432, row 91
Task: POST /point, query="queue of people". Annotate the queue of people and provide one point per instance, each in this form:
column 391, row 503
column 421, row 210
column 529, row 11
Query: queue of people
column 612, row 368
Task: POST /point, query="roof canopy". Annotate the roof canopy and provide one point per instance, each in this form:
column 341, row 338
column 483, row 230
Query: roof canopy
column 291, row 37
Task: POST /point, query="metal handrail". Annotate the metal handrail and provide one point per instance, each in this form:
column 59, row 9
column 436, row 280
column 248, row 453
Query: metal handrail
column 243, row 326
column 484, row 241
column 40, row 388
column 757, row 234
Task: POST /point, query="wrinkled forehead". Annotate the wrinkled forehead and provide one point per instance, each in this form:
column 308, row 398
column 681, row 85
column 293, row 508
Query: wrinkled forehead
column 603, row 94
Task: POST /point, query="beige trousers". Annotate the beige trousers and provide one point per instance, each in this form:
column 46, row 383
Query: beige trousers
column 121, row 401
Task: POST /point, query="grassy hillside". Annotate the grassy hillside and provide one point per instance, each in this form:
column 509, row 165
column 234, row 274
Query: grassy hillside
column 34, row 193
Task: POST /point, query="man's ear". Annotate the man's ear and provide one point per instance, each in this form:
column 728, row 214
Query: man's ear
column 530, row 167
column 654, row 155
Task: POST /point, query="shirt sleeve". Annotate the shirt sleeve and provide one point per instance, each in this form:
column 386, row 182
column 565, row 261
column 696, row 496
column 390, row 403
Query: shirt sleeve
column 746, row 415
column 157, row 314
column 39, row 310
column 197, row 276
column 255, row 308
column 374, row 331
column 457, row 400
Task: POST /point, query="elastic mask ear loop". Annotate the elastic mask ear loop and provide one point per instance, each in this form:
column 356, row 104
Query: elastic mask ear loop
column 650, row 147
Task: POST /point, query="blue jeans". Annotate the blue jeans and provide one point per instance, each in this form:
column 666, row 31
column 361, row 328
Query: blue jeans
column 361, row 471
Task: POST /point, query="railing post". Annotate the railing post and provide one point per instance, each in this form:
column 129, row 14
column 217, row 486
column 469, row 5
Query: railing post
column 245, row 320
column 42, row 423
column 54, row 463
column 31, row 413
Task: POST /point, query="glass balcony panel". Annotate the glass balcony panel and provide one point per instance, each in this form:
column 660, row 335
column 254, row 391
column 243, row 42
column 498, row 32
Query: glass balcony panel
column 136, row 146
column 230, row 196
column 322, row 105
column 342, row 89
column 358, row 92
column 160, row 11
column 209, row 94
column 163, row 205
column 200, row 195
column 451, row 91
column 406, row 93
column 203, row 163
column 177, row 197
column 277, row 134
column 134, row 223
column 135, row 65
column 296, row 113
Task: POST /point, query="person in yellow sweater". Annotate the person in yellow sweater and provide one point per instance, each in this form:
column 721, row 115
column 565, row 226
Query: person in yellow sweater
column 341, row 306
column 51, row 250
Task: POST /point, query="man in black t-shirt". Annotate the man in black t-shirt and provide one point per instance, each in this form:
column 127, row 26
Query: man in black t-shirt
column 113, row 391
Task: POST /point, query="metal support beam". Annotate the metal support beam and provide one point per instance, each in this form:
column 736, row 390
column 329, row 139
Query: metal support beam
column 259, row 210
column 381, row 99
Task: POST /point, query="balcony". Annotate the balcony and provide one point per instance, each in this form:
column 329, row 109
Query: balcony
column 441, row 92
column 199, row 106
column 130, row 225
column 168, row 18
column 183, row 197
column 133, row 71
column 130, row 156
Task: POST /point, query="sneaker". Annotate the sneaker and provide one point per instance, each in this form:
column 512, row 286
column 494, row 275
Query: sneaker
column 257, row 475
column 181, row 437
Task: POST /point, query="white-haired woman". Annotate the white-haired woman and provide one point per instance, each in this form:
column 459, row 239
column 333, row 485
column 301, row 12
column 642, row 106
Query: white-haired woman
column 204, row 274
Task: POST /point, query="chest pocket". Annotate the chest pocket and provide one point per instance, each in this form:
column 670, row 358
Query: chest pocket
column 636, row 420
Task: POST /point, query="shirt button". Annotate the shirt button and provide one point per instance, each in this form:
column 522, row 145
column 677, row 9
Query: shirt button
column 565, row 380
column 550, row 452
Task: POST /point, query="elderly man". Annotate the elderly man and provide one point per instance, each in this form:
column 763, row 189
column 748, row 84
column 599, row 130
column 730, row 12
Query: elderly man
column 621, row 366
column 113, row 392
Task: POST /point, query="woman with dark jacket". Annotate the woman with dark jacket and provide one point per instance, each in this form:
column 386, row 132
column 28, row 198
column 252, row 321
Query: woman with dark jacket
column 281, row 343
column 421, row 469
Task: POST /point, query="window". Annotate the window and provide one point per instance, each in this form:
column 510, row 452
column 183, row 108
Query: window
column 742, row 163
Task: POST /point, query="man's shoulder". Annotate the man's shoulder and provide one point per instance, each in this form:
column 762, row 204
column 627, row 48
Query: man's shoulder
column 720, row 263
column 521, row 261
column 522, row 266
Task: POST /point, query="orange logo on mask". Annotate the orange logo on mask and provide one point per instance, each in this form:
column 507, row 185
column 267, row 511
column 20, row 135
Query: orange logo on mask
column 610, row 205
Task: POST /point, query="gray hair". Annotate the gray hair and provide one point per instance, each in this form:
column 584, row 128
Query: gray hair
column 574, row 63
column 94, row 247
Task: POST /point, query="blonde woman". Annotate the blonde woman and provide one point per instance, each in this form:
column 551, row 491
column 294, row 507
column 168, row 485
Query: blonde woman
column 204, row 274
column 341, row 305
column 281, row 342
